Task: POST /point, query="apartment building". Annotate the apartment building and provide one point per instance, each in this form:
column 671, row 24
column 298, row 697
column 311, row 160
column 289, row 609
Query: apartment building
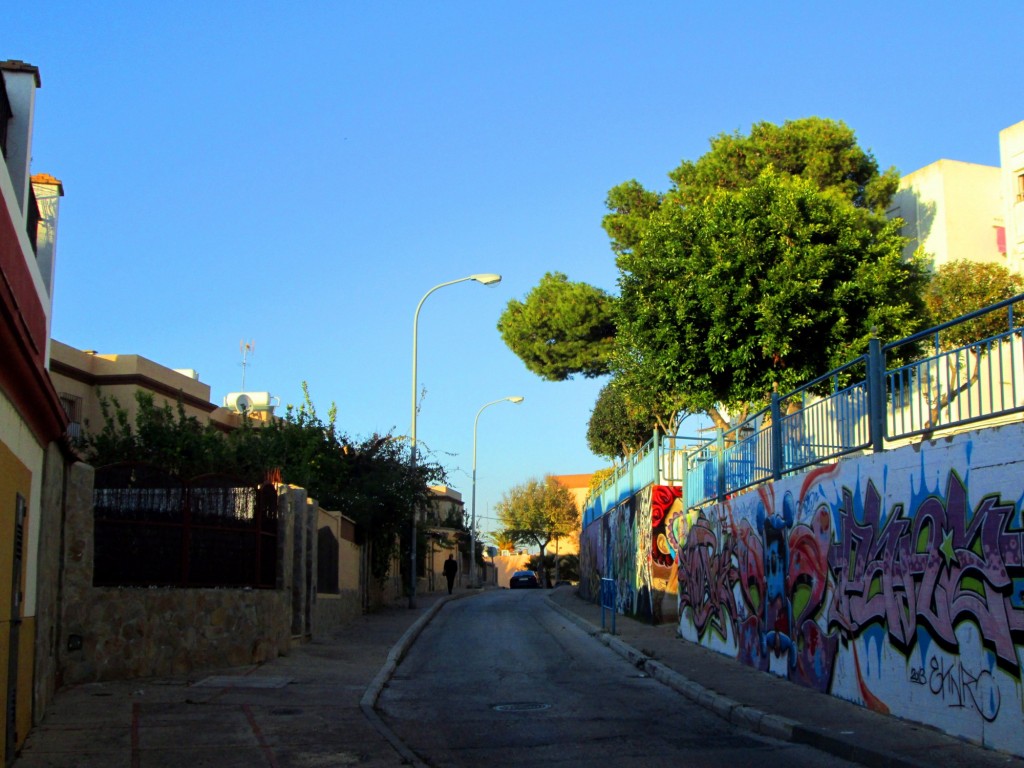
column 1011, row 158
column 957, row 210
column 33, row 455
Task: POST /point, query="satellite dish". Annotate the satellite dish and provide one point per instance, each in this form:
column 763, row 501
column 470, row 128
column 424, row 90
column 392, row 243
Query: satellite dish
column 243, row 404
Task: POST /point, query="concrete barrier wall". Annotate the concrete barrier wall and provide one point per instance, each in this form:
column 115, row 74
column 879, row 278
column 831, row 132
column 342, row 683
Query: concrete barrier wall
column 892, row 580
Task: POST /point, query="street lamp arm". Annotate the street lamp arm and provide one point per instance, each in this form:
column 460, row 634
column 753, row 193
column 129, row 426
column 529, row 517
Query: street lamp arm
column 484, row 278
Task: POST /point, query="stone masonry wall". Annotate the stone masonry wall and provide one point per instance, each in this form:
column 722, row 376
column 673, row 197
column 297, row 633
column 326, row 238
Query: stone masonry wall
column 118, row 633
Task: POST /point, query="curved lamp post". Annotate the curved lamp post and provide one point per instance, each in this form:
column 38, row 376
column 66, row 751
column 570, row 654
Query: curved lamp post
column 472, row 526
column 486, row 279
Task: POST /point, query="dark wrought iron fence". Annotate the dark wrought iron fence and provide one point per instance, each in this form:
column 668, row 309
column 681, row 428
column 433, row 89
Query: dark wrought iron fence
column 153, row 529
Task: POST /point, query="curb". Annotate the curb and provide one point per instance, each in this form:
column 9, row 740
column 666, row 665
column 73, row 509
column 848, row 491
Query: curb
column 368, row 702
column 740, row 715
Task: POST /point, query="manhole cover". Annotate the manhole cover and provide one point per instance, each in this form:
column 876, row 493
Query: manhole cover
column 521, row 706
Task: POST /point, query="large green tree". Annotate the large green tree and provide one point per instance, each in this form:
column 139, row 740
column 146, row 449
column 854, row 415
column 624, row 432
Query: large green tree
column 769, row 262
column 770, row 285
column 537, row 511
column 561, row 329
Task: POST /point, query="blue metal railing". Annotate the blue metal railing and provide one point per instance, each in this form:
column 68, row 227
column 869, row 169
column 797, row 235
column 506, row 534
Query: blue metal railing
column 637, row 471
column 860, row 406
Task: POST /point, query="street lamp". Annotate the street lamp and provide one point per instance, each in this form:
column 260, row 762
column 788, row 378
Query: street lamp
column 486, row 279
column 472, row 524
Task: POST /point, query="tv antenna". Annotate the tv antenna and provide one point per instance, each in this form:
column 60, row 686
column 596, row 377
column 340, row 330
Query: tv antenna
column 246, row 348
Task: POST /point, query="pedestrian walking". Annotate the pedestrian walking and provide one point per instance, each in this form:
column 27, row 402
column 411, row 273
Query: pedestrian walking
column 450, row 569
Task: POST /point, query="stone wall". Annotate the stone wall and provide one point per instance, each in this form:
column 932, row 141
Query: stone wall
column 60, row 479
column 116, row 633
column 125, row 633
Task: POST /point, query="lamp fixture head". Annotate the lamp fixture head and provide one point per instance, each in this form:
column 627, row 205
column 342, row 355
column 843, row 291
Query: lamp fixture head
column 515, row 399
column 487, row 278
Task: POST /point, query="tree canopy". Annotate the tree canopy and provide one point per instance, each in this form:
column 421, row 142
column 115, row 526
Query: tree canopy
column 771, row 284
column 824, row 152
column 616, row 430
column 767, row 262
column 561, row 329
column 960, row 287
column 537, row 511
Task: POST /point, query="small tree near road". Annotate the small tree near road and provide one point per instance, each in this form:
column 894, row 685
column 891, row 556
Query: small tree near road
column 959, row 287
column 537, row 511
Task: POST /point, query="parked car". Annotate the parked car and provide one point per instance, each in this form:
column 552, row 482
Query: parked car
column 523, row 580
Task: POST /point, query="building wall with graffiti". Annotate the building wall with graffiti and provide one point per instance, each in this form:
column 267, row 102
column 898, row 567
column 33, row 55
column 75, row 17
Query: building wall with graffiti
column 632, row 545
column 892, row 580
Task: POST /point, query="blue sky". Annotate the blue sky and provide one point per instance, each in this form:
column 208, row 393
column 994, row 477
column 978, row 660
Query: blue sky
column 302, row 174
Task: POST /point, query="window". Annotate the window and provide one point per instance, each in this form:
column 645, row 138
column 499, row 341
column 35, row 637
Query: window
column 72, row 405
column 1020, row 187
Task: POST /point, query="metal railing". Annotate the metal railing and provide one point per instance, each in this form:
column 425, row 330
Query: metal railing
column 637, row 471
column 860, row 406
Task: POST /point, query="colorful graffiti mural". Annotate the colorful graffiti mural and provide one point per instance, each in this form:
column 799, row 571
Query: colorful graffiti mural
column 877, row 580
column 941, row 564
column 635, row 545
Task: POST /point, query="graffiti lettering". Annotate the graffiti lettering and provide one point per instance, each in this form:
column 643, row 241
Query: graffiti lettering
column 965, row 689
column 937, row 567
column 706, row 576
column 917, row 675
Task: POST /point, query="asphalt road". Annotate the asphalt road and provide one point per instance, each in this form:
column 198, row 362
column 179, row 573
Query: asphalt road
column 504, row 679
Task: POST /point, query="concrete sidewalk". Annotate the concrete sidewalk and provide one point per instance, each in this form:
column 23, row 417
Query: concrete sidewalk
column 311, row 708
column 775, row 707
column 314, row 707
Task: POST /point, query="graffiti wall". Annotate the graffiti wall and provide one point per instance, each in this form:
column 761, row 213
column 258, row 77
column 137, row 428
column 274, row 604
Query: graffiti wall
column 894, row 580
column 632, row 544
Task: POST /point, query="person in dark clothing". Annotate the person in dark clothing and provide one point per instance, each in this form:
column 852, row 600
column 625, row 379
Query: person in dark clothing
column 450, row 569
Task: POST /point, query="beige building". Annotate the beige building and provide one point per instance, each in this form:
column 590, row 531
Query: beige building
column 1011, row 158
column 965, row 211
column 579, row 488
column 443, row 521
column 953, row 210
column 83, row 378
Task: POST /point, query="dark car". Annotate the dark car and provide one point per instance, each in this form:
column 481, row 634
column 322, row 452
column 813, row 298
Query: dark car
column 523, row 580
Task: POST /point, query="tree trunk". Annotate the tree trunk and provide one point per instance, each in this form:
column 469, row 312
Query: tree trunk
column 718, row 419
